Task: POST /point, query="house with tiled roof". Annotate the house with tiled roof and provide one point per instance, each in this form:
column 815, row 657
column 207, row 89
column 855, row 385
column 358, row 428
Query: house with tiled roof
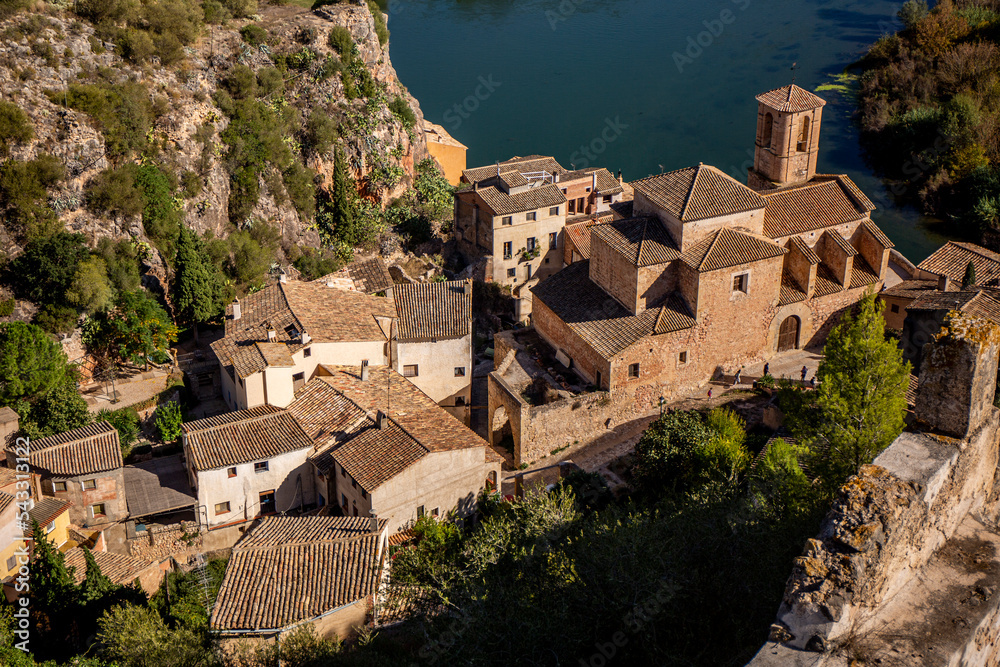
column 83, row 467
column 927, row 311
column 384, row 446
column 369, row 276
column 248, row 463
column 514, row 213
column 670, row 286
column 277, row 337
column 325, row 571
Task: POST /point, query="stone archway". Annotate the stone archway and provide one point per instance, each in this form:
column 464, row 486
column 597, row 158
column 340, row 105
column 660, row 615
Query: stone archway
column 501, row 432
column 788, row 333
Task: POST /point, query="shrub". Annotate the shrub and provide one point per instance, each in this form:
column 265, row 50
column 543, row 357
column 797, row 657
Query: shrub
column 114, row 192
column 253, row 34
column 123, row 111
column 381, row 29
column 45, row 270
column 240, row 9
column 341, row 41
column 321, row 131
column 136, row 46
column 90, row 290
column 240, row 83
column 24, row 196
column 126, row 422
column 191, row 184
column 161, row 218
column 215, row 13
column 298, row 182
column 316, row 263
column 15, row 127
column 56, row 319
column 269, row 81
column 7, row 307
column 401, row 109
column 168, row 49
column 122, row 262
column 168, row 420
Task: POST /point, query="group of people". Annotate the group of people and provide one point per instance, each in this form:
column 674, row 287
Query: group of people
column 738, row 377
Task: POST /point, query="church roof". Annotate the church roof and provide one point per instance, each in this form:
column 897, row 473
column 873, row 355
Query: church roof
column 791, row 99
column 729, row 247
column 822, row 202
column 696, row 193
column 643, row 241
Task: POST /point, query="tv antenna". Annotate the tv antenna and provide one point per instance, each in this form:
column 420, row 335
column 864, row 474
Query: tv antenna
column 794, row 67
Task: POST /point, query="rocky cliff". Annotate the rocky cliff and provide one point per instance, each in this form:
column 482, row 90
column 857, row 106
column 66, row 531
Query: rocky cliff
column 43, row 53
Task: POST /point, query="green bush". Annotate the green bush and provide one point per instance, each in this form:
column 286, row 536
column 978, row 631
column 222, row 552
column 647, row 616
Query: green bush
column 7, row 307
column 240, row 9
column 381, row 29
column 134, row 45
column 46, row 269
column 126, row 422
column 24, row 195
column 161, row 217
column 114, row 192
column 11, row 7
column 215, row 13
column 240, row 83
column 298, row 181
column 250, row 253
column 320, row 131
column 401, row 109
column 122, row 261
column 56, row 319
column 253, row 34
column 315, row 263
column 168, row 420
column 341, row 41
column 191, row 184
column 15, row 126
column 269, row 81
column 123, row 111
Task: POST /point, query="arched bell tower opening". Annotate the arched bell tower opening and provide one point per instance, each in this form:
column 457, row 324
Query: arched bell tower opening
column 787, row 146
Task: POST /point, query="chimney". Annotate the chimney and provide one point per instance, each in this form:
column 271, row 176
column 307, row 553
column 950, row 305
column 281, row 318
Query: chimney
column 944, row 282
column 306, row 338
column 498, row 170
column 468, row 287
column 593, row 187
column 237, row 311
column 381, row 420
column 272, row 335
column 475, row 186
column 282, row 277
column 620, row 176
column 555, row 178
column 374, row 523
column 364, row 370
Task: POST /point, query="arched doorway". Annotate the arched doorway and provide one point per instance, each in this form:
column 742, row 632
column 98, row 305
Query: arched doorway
column 803, row 144
column 788, row 334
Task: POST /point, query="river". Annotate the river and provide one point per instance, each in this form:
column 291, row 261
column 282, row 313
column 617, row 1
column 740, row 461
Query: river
column 641, row 85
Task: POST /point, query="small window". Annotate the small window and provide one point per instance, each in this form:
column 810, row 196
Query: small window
column 740, row 283
column 343, row 471
column 554, row 210
column 231, row 472
column 354, row 483
column 98, row 510
column 894, row 308
column 508, row 249
column 49, row 528
column 59, row 487
column 343, row 501
column 222, row 508
column 420, row 512
column 364, row 494
column 512, row 273
column 531, row 243
column 553, row 239
column 267, row 505
column 682, row 358
column 260, row 466
column 241, row 382
column 633, row 370
column 299, row 379
column 435, row 512
column 411, row 371
column 89, row 484
column 598, row 379
column 11, row 563
column 460, row 371
column 531, row 216
column 587, row 190
column 607, row 199
column 308, row 352
column 528, row 267
column 355, row 510
column 507, row 220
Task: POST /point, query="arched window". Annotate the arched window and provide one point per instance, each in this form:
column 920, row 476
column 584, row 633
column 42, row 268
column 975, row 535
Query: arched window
column 804, row 135
column 765, row 138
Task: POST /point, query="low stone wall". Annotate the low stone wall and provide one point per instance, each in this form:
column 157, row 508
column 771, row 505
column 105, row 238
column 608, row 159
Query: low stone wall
column 906, row 568
column 159, row 542
column 565, row 422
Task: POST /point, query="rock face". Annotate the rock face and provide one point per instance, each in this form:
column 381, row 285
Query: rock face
column 373, row 138
column 907, row 565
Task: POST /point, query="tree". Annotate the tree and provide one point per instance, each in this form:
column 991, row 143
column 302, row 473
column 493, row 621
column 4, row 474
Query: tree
column 858, row 409
column 53, row 592
column 126, row 422
column 15, row 126
column 169, row 419
column 31, row 363
column 45, row 271
column 912, row 13
column 341, row 213
column 90, row 290
column 133, row 329
column 197, row 283
column 57, row 410
column 969, row 280
column 136, row 636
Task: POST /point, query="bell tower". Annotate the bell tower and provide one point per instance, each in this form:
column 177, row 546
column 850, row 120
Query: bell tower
column 787, row 145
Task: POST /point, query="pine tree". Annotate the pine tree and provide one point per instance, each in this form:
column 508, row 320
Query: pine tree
column 858, row 409
column 970, row 276
column 342, row 215
column 95, row 585
column 197, row 283
column 53, row 591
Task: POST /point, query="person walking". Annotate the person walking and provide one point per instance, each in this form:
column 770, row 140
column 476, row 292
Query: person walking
column 805, row 372
column 812, row 382
column 737, row 378
column 710, row 392
column 767, row 368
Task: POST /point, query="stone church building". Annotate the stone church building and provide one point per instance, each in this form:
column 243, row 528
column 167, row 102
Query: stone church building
column 705, row 273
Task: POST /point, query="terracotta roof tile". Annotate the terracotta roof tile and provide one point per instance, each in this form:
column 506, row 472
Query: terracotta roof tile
column 375, row 455
column 434, row 310
column 937, row 300
column 826, row 282
column 89, row 449
column 790, row 291
column 643, row 241
column 325, row 414
column 368, row 276
column 47, row 509
column 952, row 258
column 579, row 235
column 606, row 183
column 814, row 205
column 985, row 305
column 622, row 210
column 790, row 98
column 274, row 531
column 840, row 242
column 521, row 165
column 246, row 435
column 540, row 196
column 728, row 247
column 6, row 500
column 803, row 248
column 877, row 234
column 862, row 273
column 911, row 289
column 272, row 587
column 695, row 193
column 119, row 568
column 603, row 323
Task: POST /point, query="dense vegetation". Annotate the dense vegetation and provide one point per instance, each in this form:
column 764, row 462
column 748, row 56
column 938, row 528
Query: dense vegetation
column 929, row 110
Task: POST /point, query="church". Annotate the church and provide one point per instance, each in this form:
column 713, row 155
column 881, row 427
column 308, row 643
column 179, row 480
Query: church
column 702, row 273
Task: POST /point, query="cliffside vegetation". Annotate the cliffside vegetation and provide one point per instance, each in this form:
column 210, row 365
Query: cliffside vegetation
column 929, row 110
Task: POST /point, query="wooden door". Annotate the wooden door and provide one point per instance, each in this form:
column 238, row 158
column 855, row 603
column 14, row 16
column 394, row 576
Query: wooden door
column 788, row 334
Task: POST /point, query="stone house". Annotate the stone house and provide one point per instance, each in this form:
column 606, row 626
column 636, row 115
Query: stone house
column 248, row 463
column 83, row 467
column 384, row 446
column 665, row 298
column 926, row 314
column 276, row 338
column 320, row 570
column 514, row 212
